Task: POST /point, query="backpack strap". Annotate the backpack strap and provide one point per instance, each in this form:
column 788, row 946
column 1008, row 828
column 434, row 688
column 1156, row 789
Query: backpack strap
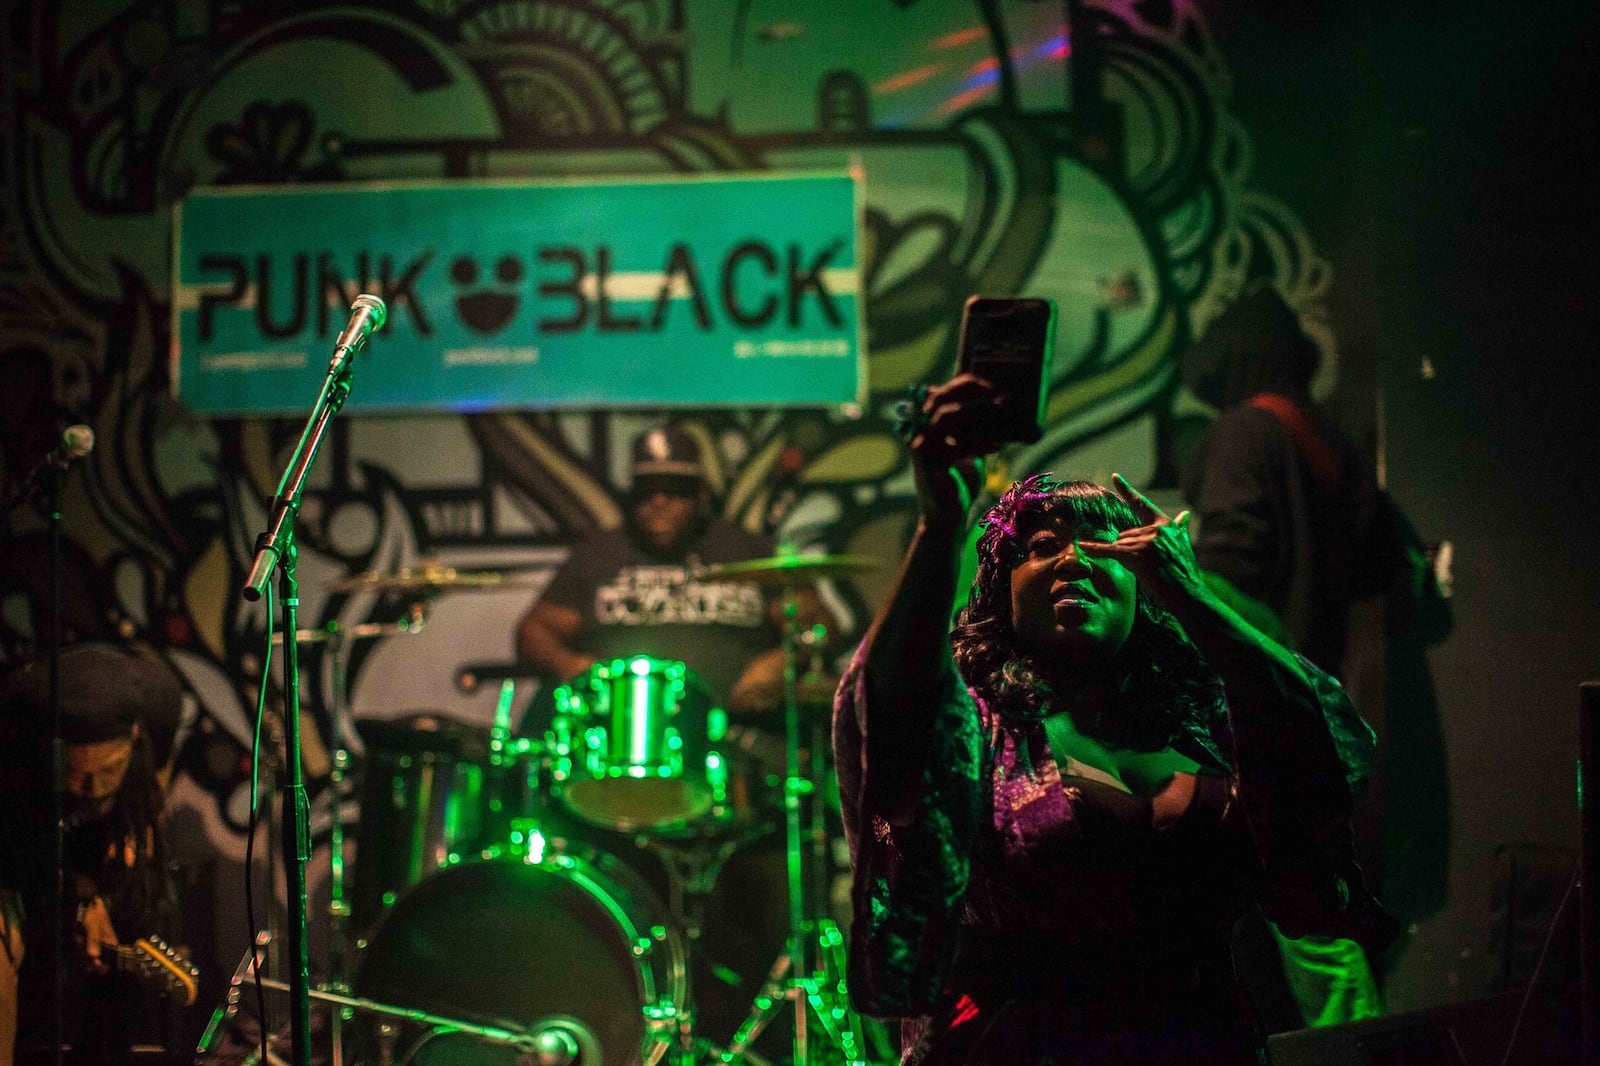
column 1320, row 459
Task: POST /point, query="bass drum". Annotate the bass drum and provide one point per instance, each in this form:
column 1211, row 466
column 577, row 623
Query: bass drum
column 575, row 947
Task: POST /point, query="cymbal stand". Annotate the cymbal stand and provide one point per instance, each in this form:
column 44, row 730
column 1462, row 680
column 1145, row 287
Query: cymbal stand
column 692, row 868
column 339, row 641
column 342, row 726
column 692, row 864
column 338, row 906
column 808, row 975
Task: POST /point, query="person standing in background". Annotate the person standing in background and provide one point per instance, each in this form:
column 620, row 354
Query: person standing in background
column 1288, row 514
column 1286, row 506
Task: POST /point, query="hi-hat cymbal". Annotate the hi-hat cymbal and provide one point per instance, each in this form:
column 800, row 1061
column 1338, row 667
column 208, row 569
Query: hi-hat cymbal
column 790, row 569
column 431, row 577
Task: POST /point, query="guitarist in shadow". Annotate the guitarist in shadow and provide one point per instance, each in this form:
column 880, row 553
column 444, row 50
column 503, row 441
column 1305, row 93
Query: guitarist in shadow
column 119, row 713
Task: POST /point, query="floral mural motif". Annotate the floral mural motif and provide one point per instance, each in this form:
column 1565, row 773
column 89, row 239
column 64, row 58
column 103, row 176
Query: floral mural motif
column 1077, row 150
column 266, row 146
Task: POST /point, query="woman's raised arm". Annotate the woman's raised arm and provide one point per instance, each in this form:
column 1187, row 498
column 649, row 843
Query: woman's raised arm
column 907, row 666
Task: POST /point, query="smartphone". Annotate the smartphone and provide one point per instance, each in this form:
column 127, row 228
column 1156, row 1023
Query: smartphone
column 1009, row 343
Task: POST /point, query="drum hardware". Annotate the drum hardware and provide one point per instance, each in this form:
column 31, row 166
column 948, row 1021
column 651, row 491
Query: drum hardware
column 430, row 576
column 809, row 976
column 338, row 641
column 255, row 958
column 823, row 991
column 655, row 728
column 519, row 786
column 551, row 1036
column 333, row 633
column 470, row 677
column 692, row 866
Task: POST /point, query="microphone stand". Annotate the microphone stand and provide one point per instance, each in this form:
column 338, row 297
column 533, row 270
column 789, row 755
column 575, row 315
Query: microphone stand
column 275, row 548
column 58, row 766
column 53, row 471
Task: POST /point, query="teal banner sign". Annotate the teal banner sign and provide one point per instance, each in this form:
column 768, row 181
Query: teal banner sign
column 713, row 291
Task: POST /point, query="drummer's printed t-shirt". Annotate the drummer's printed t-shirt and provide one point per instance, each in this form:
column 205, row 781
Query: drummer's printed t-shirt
column 663, row 595
column 632, row 603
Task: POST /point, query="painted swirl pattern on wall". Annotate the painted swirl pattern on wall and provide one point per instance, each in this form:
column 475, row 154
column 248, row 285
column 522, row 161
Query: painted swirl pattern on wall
column 1078, row 150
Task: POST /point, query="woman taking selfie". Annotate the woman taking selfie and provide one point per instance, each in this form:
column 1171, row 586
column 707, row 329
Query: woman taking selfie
column 1058, row 810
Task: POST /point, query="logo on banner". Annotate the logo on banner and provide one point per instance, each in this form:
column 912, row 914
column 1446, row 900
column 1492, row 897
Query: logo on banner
column 752, row 286
column 487, row 310
column 666, row 292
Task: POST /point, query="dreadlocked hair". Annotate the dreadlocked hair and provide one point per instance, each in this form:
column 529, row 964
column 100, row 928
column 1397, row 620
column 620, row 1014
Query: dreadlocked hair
column 1161, row 686
column 136, row 876
column 120, row 851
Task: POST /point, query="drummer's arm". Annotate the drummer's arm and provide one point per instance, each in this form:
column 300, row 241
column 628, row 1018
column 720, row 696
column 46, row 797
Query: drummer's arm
column 545, row 637
column 759, row 690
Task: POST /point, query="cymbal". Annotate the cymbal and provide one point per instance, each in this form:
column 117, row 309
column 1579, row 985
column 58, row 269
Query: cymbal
column 812, row 691
column 791, row 569
column 360, row 631
column 816, row 689
column 431, row 577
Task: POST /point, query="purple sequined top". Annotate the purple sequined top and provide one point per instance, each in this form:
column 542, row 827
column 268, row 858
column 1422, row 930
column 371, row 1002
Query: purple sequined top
column 1053, row 904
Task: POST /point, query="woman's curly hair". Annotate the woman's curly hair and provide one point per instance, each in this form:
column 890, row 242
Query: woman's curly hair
column 1162, row 685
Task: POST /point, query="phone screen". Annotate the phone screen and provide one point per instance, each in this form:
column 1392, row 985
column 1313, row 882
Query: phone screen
column 1009, row 342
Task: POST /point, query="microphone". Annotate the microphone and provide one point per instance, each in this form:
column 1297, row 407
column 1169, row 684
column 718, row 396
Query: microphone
column 75, row 443
column 367, row 313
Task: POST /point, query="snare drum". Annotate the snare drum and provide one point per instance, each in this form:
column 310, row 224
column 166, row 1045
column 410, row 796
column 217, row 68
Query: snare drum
column 635, row 746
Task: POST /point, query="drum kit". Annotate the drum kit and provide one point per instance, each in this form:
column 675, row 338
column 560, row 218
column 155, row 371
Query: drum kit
column 543, row 899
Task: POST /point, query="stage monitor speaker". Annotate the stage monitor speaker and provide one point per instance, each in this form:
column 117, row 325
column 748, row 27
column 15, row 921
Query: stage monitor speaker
column 1472, row 1033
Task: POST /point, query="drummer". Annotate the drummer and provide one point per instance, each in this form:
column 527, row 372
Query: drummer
column 639, row 590
column 635, row 590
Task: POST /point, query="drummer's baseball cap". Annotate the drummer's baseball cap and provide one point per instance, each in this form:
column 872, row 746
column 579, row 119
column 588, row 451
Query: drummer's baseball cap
column 667, row 454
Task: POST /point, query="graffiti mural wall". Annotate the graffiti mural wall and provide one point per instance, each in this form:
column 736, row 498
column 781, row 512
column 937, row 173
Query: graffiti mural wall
column 1078, row 150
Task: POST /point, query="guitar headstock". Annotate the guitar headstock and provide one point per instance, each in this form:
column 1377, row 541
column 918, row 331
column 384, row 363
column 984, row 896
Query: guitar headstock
column 157, row 960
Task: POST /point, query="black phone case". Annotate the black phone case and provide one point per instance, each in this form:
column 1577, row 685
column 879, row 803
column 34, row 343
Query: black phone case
column 1009, row 342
